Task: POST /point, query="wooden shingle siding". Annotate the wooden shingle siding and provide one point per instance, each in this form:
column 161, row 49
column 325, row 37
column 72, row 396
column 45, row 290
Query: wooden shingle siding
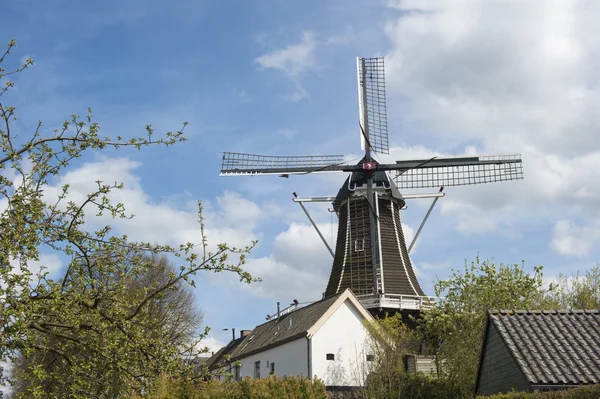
column 398, row 273
column 340, row 252
column 353, row 269
column 499, row 372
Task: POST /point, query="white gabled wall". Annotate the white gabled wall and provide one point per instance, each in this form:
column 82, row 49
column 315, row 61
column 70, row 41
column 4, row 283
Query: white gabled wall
column 291, row 359
column 344, row 335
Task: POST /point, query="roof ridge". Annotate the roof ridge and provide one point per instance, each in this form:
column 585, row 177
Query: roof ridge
column 507, row 312
column 274, row 318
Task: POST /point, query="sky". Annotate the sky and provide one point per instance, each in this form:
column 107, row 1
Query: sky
column 279, row 78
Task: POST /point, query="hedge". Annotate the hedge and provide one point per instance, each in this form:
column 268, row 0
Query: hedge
column 411, row 386
column 588, row 392
column 265, row 388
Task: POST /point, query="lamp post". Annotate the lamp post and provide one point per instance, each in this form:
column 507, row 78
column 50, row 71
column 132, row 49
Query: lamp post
column 232, row 333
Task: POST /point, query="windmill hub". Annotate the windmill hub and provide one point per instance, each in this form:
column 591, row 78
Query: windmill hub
column 369, row 168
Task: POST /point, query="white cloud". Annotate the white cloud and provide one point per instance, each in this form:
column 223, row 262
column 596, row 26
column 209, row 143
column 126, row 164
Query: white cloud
column 571, row 239
column 298, row 266
column 293, row 61
column 231, row 219
column 505, row 77
column 212, row 344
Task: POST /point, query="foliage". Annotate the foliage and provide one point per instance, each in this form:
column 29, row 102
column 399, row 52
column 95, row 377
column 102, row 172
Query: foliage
column 390, row 340
column 580, row 291
column 265, row 388
column 87, row 310
column 590, row 392
column 171, row 317
column 419, row 386
column 453, row 329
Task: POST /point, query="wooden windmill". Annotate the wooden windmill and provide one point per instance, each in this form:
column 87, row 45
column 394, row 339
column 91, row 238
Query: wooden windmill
column 371, row 256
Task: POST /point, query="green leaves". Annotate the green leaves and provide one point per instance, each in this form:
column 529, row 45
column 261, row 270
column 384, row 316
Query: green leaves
column 454, row 328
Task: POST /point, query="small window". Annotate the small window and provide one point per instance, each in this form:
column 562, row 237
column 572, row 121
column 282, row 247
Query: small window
column 237, row 373
column 272, row 368
column 359, row 245
column 370, row 358
column 330, row 356
column 257, row 369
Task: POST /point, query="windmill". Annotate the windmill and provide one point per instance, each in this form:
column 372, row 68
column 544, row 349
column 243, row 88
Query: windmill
column 371, row 256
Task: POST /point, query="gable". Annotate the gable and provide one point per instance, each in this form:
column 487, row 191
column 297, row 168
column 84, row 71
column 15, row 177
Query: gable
column 498, row 371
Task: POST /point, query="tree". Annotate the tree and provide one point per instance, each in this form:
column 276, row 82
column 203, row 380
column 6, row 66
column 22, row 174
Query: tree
column 88, row 311
column 453, row 329
column 579, row 291
column 390, row 340
column 170, row 317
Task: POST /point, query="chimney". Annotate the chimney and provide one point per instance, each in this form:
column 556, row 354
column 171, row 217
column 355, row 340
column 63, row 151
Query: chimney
column 278, row 311
column 243, row 333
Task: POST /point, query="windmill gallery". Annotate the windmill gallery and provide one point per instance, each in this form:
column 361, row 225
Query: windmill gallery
column 371, row 274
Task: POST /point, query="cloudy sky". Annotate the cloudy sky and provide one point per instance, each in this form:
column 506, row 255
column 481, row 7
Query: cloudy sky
column 273, row 77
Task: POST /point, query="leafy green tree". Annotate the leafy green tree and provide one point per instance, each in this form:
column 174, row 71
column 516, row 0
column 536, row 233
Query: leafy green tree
column 170, row 317
column 87, row 317
column 390, row 340
column 453, row 329
column 579, row 291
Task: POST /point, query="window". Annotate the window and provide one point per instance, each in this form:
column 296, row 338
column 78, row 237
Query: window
column 272, row 368
column 237, row 372
column 257, row 369
column 330, row 356
column 370, row 358
column 359, row 245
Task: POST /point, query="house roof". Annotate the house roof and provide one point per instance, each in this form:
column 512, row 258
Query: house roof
column 552, row 347
column 297, row 324
column 216, row 360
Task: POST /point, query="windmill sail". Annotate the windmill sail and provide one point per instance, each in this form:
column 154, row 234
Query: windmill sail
column 431, row 173
column 235, row 163
column 372, row 105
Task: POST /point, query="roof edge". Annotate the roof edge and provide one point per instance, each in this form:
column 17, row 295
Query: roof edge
column 519, row 363
column 347, row 294
column 294, row 337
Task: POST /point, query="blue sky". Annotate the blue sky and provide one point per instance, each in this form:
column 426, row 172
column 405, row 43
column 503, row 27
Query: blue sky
column 278, row 77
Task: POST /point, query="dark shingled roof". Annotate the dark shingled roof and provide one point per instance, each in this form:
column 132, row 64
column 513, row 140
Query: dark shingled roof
column 288, row 327
column 217, row 360
column 553, row 347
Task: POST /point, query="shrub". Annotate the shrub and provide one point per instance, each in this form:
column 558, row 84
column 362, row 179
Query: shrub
column 590, row 392
column 412, row 386
column 266, row 388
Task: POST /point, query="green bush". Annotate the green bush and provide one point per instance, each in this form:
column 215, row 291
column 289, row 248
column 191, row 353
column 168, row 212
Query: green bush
column 590, row 392
column 412, row 386
column 266, row 388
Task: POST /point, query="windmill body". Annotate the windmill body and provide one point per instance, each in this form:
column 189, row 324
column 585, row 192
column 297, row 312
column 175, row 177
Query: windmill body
column 390, row 280
column 371, row 256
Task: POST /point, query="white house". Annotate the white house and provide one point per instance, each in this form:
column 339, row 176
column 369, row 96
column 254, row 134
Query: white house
column 326, row 339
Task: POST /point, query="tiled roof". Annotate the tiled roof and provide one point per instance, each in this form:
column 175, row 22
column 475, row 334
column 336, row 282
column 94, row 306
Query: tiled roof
column 216, row 360
column 288, row 327
column 553, row 347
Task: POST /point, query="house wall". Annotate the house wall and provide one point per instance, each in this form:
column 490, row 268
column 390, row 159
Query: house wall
column 499, row 372
column 345, row 336
column 291, row 359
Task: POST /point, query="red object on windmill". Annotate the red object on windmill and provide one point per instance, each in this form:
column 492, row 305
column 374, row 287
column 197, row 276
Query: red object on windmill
column 369, row 168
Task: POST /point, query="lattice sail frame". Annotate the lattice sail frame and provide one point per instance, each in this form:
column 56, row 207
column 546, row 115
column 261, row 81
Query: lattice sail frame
column 490, row 169
column 235, row 163
column 374, row 101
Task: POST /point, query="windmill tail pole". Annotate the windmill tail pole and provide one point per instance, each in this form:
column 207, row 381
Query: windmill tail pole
column 435, row 200
column 315, row 226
